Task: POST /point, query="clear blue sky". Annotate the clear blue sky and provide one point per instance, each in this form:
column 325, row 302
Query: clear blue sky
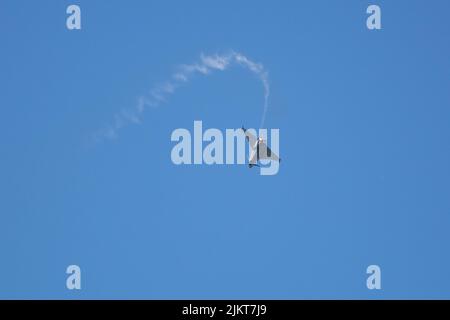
column 364, row 136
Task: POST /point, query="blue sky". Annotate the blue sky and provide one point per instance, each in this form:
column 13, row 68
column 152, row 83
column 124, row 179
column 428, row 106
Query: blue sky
column 364, row 136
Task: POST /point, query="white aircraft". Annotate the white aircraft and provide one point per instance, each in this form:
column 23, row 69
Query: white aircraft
column 260, row 150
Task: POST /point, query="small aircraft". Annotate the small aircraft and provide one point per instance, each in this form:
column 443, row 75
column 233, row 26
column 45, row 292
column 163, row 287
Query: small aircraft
column 260, row 150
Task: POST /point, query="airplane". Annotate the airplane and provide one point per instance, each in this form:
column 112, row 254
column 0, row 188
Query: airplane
column 260, row 150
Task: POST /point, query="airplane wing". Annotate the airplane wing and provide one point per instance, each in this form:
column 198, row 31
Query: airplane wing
column 253, row 160
column 266, row 153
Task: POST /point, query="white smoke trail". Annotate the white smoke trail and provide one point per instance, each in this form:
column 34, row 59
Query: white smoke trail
column 159, row 94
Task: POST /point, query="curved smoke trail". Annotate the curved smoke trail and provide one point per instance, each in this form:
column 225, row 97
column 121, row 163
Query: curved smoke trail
column 159, row 94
